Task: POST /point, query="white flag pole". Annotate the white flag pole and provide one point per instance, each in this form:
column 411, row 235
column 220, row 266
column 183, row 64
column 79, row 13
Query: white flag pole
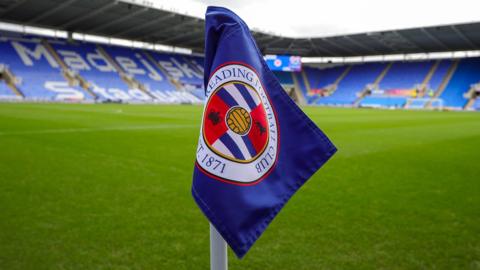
column 218, row 251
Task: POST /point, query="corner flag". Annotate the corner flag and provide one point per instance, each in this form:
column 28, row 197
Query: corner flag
column 256, row 147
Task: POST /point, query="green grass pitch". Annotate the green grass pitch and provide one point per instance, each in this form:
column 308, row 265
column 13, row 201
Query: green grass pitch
column 108, row 187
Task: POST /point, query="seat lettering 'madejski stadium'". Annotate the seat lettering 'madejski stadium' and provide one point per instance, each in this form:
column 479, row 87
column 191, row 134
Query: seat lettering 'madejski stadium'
column 40, row 74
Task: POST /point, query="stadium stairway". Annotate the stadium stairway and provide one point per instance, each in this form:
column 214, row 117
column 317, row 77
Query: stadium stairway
column 329, row 80
column 357, row 79
column 95, row 71
column 185, row 71
column 339, row 79
column 130, row 80
column 423, row 85
column 375, row 84
column 8, row 81
column 446, row 79
column 342, row 76
column 429, row 76
column 471, row 95
column 74, row 79
column 476, row 104
column 286, row 81
column 172, row 80
column 308, row 86
column 300, row 88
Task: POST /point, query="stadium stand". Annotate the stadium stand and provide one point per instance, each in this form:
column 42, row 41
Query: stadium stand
column 61, row 70
column 416, row 84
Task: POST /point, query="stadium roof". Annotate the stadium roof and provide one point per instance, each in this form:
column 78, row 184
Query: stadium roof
column 124, row 20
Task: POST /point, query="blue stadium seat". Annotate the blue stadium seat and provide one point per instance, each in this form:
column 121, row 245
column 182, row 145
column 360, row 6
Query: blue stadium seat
column 476, row 104
column 303, row 87
column 5, row 91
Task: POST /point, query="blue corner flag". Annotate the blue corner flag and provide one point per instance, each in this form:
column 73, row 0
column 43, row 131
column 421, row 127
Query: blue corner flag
column 256, row 147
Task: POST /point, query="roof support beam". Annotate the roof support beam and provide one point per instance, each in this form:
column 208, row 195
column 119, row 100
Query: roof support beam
column 170, row 29
column 89, row 14
column 12, row 7
column 407, row 44
column 270, row 43
column 359, row 44
column 463, row 37
column 144, row 25
column 119, row 20
column 343, row 48
column 376, row 39
column 177, row 37
column 193, row 41
column 434, row 39
column 51, row 11
column 320, row 50
column 260, row 38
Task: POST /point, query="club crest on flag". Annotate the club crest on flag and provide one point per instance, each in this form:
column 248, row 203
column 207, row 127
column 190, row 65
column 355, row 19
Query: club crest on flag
column 239, row 137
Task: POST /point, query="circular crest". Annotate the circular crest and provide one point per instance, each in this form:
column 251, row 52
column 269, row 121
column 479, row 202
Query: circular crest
column 239, row 137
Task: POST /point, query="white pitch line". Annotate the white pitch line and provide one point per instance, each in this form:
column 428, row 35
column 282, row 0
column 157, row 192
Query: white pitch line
column 77, row 130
